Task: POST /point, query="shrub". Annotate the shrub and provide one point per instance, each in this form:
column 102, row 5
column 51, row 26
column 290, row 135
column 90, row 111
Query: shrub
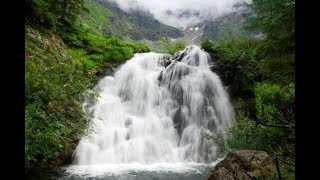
column 171, row 47
column 55, row 86
column 236, row 63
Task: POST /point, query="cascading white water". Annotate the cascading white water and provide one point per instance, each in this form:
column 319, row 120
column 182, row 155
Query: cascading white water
column 156, row 109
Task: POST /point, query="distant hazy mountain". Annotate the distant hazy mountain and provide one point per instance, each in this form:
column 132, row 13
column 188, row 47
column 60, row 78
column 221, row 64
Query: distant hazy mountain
column 140, row 25
column 229, row 26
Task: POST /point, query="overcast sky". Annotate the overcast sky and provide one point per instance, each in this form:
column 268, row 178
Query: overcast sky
column 166, row 10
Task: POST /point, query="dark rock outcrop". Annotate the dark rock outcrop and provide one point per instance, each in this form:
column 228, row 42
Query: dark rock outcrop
column 244, row 165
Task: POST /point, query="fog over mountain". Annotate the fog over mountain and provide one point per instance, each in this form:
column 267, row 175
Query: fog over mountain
column 181, row 13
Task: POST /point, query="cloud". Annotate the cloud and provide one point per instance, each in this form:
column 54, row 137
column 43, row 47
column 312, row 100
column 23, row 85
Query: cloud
column 180, row 13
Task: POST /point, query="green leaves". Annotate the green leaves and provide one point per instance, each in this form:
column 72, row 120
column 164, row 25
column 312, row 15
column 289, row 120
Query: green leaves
column 54, row 88
column 264, row 72
column 170, row 47
column 56, row 81
column 53, row 14
column 275, row 103
column 220, row 140
column 236, row 62
column 275, row 19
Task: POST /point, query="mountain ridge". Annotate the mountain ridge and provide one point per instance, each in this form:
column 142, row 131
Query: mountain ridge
column 135, row 24
column 228, row 26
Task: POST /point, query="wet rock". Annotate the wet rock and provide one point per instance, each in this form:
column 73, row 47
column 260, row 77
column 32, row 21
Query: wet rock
column 212, row 67
column 179, row 121
column 244, row 165
column 128, row 122
column 165, row 61
column 110, row 69
column 128, row 136
column 179, row 56
column 160, row 77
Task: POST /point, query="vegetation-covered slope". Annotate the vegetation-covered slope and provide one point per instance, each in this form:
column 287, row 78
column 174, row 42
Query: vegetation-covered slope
column 63, row 56
column 53, row 97
column 261, row 77
column 135, row 24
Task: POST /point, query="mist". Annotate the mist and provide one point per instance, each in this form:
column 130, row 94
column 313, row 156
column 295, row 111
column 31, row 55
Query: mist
column 181, row 13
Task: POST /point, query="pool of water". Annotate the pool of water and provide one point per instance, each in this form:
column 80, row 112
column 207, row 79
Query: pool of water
column 192, row 171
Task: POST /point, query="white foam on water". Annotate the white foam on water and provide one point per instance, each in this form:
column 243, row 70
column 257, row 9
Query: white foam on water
column 152, row 117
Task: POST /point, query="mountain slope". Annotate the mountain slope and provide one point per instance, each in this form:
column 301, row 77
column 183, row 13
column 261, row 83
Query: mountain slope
column 140, row 25
column 192, row 35
column 136, row 24
column 229, row 26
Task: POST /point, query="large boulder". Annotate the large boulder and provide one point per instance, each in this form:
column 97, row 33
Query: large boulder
column 244, row 165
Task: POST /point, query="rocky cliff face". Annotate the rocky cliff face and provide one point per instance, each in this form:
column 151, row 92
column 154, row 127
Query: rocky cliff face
column 244, row 165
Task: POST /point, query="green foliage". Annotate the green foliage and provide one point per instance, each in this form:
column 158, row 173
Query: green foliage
column 55, row 14
column 279, row 69
column 275, row 19
column 242, row 62
column 236, row 62
column 98, row 17
column 106, row 19
column 275, row 103
column 79, row 29
column 178, row 46
column 287, row 171
column 101, row 49
column 98, row 48
column 139, row 48
column 272, row 130
column 245, row 106
column 243, row 134
column 57, row 77
column 170, row 47
column 53, row 96
column 219, row 139
column 82, row 59
column 274, row 127
column 261, row 75
column 38, row 11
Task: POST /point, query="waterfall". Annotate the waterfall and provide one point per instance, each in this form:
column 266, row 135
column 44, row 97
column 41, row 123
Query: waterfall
column 156, row 109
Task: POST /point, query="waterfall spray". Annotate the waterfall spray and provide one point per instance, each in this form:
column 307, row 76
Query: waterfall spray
column 156, row 109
